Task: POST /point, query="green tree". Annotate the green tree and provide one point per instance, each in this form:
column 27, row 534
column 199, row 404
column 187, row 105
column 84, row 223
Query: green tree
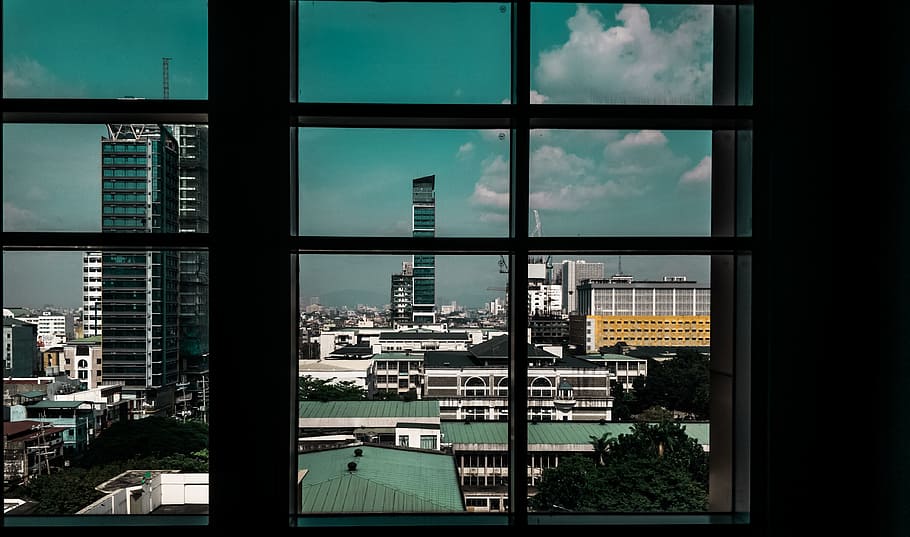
column 153, row 436
column 601, row 445
column 655, row 467
column 678, row 384
column 71, row 489
column 310, row 388
column 577, row 484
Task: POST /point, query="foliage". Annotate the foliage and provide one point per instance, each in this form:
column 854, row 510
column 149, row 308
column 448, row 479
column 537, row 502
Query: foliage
column 149, row 443
column 153, row 436
column 410, row 395
column 310, row 388
column 654, row 413
column 655, row 467
column 678, row 384
column 72, row 489
column 623, row 401
column 601, row 446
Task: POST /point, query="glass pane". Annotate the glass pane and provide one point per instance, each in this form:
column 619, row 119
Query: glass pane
column 404, row 52
column 620, row 183
column 106, row 370
column 618, row 384
column 105, row 49
column 379, row 387
column 621, row 54
column 110, row 178
column 403, row 182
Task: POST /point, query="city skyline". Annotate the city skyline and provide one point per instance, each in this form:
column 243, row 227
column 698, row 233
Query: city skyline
column 355, row 182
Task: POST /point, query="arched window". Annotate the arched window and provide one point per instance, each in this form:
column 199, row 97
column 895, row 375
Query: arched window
column 475, row 386
column 541, row 387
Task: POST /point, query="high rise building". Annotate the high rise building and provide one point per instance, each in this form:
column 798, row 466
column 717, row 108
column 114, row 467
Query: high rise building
column 139, row 301
column 193, row 144
column 573, row 273
column 91, row 294
column 402, row 296
column 423, row 198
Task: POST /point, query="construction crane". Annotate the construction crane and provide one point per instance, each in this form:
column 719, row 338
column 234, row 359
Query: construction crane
column 538, row 232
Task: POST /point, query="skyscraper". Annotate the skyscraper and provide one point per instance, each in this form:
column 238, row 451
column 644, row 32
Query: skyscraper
column 139, row 308
column 423, row 198
column 192, row 141
column 573, row 273
column 402, row 295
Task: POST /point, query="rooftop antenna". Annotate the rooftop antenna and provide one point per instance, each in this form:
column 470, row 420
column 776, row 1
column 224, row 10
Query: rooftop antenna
column 620, row 265
column 165, row 76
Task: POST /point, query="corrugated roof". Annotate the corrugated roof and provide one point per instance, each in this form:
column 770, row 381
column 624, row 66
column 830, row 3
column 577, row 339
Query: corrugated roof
column 368, row 409
column 460, row 336
column 33, row 393
column 548, row 432
column 390, row 480
column 56, row 404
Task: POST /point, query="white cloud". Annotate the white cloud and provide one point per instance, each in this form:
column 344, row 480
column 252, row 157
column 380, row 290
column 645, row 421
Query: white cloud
column 534, row 98
column 465, row 150
column 538, row 98
column 26, row 77
column 18, row 219
column 562, row 180
column 637, row 139
column 631, row 62
column 492, row 189
column 701, row 173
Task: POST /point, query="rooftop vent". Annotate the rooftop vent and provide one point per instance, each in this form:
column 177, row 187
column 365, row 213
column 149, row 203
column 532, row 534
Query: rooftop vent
column 352, row 466
column 358, row 452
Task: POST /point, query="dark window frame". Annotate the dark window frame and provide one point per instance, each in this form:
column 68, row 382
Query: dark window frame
column 231, row 61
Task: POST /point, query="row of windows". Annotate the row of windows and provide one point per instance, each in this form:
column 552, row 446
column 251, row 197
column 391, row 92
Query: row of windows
column 124, row 172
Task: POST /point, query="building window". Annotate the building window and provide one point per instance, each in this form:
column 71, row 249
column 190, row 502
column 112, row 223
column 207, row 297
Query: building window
column 427, row 441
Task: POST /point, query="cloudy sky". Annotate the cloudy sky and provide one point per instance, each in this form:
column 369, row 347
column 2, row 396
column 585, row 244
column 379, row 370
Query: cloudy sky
column 357, row 181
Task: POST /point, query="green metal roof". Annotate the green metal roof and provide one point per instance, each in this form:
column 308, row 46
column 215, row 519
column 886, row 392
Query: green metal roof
column 57, row 404
column 368, row 409
column 548, row 432
column 33, row 393
column 387, row 479
column 90, row 339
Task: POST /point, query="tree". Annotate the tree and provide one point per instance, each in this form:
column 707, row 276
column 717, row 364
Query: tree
column 655, row 467
column 577, row 484
column 601, row 446
column 678, row 384
column 310, row 388
column 153, row 436
column 149, row 443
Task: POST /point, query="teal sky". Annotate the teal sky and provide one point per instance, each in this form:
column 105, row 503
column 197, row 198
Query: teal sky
column 357, row 181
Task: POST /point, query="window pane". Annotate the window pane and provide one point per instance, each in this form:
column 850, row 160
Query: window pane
column 115, row 392
column 403, row 182
column 371, row 379
column 400, row 52
column 105, row 49
column 620, row 183
column 621, row 54
column 618, row 407
column 111, row 178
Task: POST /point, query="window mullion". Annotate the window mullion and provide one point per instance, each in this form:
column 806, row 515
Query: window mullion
column 518, row 269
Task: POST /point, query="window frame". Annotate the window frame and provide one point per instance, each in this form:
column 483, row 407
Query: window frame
column 278, row 244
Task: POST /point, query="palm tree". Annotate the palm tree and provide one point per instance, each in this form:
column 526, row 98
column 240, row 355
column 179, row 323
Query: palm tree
column 602, row 445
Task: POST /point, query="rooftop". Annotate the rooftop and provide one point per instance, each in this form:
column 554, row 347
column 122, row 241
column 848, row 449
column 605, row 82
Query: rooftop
column 548, row 432
column 385, row 479
column 368, row 409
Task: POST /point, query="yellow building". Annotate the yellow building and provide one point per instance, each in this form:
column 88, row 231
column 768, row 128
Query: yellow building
column 596, row 331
